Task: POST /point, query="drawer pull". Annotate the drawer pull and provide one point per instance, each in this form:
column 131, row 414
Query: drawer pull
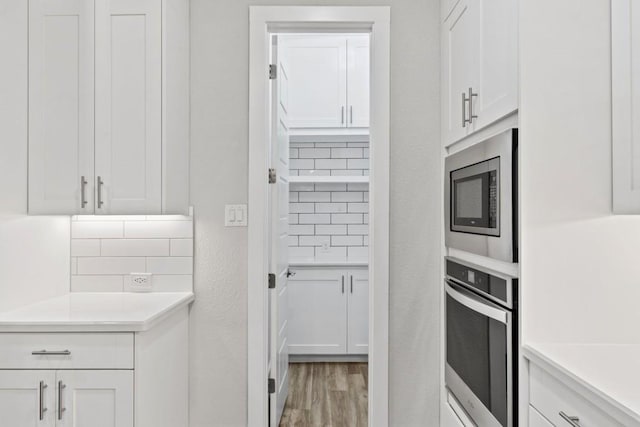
column 574, row 421
column 51, row 353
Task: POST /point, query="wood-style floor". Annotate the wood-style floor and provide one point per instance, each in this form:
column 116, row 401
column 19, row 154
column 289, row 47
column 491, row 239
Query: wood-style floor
column 327, row 395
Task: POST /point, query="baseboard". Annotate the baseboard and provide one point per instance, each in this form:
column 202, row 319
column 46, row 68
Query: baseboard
column 339, row 358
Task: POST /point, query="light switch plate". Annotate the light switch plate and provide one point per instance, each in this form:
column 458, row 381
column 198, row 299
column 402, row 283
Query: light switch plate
column 235, row 215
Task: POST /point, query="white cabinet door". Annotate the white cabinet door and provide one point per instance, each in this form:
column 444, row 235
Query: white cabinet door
column 128, row 106
column 358, row 81
column 625, row 73
column 358, row 312
column 318, row 312
column 94, row 398
column 317, row 81
column 60, row 106
column 498, row 68
column 27, row 398
column 460, row 63
column 536, row 419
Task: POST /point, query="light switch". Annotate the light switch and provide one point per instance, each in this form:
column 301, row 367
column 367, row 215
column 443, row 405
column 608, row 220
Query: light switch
column 235, row 215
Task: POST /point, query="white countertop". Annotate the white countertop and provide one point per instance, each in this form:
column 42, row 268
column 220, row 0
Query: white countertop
column 95, row 312
column 610, row 371
column 328, row 262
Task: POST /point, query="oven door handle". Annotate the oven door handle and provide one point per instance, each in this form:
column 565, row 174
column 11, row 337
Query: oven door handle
column 475, row 303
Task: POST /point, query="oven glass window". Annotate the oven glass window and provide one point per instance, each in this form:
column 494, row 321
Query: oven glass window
column 477, row 352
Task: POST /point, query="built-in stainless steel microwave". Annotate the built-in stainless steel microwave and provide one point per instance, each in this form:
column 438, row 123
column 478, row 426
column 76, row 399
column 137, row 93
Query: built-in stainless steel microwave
column 481, row 198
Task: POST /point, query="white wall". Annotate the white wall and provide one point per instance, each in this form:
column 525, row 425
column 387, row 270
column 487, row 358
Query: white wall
column 219, row 141
column 34, row 251
column 580, row 268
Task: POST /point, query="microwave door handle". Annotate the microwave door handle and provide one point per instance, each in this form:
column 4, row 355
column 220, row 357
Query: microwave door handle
column 476, row 304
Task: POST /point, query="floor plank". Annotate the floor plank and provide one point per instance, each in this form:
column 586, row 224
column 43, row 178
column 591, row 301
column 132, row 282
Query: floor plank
column 326, row 395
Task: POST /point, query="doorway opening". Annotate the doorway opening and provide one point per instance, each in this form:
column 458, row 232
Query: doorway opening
column 319, row 216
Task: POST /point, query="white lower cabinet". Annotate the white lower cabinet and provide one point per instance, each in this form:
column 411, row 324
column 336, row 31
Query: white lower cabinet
column 536, row 419
column 328, row 311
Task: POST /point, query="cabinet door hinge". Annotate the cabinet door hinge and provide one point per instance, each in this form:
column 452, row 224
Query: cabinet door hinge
column 273, row 72
column 272, row 281
column 272, row 385
column 272, row 176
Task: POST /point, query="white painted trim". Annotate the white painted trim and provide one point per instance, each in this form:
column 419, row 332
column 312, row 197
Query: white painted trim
column 262, row 20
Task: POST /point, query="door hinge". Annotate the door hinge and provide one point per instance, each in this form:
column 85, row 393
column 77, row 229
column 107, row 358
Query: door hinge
column 272, row 385
column 273, row 72
column 272, row 281
column 272, row 176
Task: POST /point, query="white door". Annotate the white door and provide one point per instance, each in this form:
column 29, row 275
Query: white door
column 27, row 398
column 460, row 63
column 358, row 81
column 94, row 398
column 358, row 312
column 317, row 81
column 318, row 312
column 128, row 106
column 60, row 106
column 498, row 69
column 280, row 237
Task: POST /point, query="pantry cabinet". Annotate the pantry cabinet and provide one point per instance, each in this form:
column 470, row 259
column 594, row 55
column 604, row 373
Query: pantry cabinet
column 479, row 65
column 328, row 311
column 108, row 124
column 328, row 81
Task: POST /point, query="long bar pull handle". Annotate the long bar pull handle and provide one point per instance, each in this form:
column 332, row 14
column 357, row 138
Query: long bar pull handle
column 343, row 283
column 42, row 409
column 574, row 421
column 51, row 353
column 351, row 278
column 61, row 408
column 351, row 114
column 471, row 96
column 83, row 198
column 464, row 110
column 100, row 184
column 342, row 115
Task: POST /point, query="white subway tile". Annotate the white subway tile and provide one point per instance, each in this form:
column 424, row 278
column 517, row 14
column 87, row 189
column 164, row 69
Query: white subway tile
column 301, row 229
column 331, row 144
column 331, row 207
column 315, row 196
column 331, row 163
column 358, row 164
column 293, row 172
column 111, row 265
column 314, row 240
column 331, row 229
column 299, row 144
column 74, row 265
column 343, row 153
column 331, row 187
column 358, row 207
column 315, row 153
column 301, row 164
column 314, row 172
column 171, row 282
column 315, row 219
column 365, row 218
column 357, row 186
column 96, row 283
column 365, row 172
column 293, row 240
column 181, row 247
column 158, row 229
column 301, row 186
column 296, row 208
column 346, row 218
column 366, row 196
column 170, row 265
column 353, row 196
column 346, row 240
column 365, row 240
column 358, row 229
column 293, row 196
column 332, row 253
column 301, row 252
column 358, row 252
column 97, row 229
column 365, row 153
column 135, row 247
column 358, row 144
column 293, row 153
column 346, row 172
column 85, row 247
column 293, row 218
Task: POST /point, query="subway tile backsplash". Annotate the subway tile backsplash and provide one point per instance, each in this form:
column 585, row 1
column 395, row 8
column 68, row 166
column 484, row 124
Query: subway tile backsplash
column 329, row 221
column 105, row 250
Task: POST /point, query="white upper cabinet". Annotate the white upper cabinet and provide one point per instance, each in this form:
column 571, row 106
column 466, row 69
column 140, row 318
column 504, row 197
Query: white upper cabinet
column 626, row 106
column 479, row 65
column 111, row 139
column 328, row 81
column 60, row 106
column 128, row 106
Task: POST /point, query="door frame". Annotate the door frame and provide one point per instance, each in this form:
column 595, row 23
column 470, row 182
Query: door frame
column 264, row 20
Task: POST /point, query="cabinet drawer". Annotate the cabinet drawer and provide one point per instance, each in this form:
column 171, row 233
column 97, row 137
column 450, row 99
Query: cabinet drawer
column 536, row 419
column 551, row 397
column 66, row 351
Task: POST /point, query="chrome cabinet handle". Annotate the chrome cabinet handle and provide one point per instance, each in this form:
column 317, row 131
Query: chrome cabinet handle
column 342, row 115
column 100, row 183
column 41, row 406
column 83, row 185
column 51, row 353
column 290, row 273
column 574, row 421
column 471, row 96
column 351, row 114
column 343, row 284
column 351, row 278
column 464, row 110
column 61, row 409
